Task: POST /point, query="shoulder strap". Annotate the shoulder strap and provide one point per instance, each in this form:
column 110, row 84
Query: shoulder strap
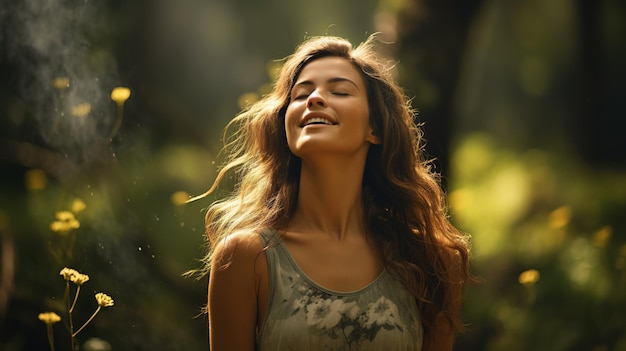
column 269, row 237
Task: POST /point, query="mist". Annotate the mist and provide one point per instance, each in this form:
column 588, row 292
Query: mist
column 65, row 74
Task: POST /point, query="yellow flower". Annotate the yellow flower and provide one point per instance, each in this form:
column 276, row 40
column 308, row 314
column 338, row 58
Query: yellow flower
column 74, row 276
column 104, row 300
column 78, row 205
column 64, row 216
column 49, row 318
column 529, row 277
column 65, row 222
column 79, row 279
column 120, row 95
column 68, row 273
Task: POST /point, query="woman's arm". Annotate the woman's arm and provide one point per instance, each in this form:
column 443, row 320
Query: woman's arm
column 232, row 294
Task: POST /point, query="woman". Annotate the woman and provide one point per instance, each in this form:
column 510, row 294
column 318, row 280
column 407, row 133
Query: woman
column 336, row 236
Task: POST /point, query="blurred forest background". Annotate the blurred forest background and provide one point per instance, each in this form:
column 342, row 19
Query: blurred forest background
column 523, row 103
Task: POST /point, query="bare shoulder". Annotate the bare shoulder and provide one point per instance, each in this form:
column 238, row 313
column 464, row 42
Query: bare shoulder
column 233, row 292
column 236, row 249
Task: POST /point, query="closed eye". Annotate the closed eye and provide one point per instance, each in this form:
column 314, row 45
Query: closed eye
column 300, row 94
column 300, row 97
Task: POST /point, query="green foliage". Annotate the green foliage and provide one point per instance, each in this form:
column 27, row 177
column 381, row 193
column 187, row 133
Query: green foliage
column 544, row 212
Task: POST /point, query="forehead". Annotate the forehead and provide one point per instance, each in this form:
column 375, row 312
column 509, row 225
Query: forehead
column 327, row 68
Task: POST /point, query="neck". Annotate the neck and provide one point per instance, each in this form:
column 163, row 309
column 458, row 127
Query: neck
column 330, row 198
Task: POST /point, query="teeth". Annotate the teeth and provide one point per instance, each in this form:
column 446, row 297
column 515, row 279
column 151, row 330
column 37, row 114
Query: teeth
column 318, row 120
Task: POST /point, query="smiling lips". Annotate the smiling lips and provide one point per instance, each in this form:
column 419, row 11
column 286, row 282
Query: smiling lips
column 317, row 121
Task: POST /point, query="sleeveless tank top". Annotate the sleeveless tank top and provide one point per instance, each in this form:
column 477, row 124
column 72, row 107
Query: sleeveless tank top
column 303, row 315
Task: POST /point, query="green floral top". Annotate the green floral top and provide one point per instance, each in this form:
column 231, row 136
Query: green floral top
column 303, row 315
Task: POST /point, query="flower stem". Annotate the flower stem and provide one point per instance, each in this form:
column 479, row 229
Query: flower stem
column 71, row 329
column 118, row 120
column 66, row 295
column 75, row 299
column 70, row 308
column 50, row 337
column 87, row 322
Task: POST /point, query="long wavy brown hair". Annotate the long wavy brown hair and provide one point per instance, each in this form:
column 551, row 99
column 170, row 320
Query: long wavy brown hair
column 405, row 210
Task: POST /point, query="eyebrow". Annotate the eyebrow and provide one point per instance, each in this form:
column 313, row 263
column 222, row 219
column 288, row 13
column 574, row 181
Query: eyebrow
column 331, row 80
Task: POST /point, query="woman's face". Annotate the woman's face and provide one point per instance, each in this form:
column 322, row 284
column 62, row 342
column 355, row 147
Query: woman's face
column 328, row 110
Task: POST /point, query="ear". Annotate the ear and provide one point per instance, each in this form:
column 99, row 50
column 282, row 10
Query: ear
column 372, row 138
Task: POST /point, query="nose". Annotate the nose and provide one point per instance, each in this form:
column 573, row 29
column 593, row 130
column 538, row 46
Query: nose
column 315, row 98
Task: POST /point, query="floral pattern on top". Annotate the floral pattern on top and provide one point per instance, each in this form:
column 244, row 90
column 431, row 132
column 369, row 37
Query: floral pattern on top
column 341, row 317
column 302, row 315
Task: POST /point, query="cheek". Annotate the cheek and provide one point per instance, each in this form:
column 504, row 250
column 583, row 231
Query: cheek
column 290, row 123
column 291, row 117
column 288, row 116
